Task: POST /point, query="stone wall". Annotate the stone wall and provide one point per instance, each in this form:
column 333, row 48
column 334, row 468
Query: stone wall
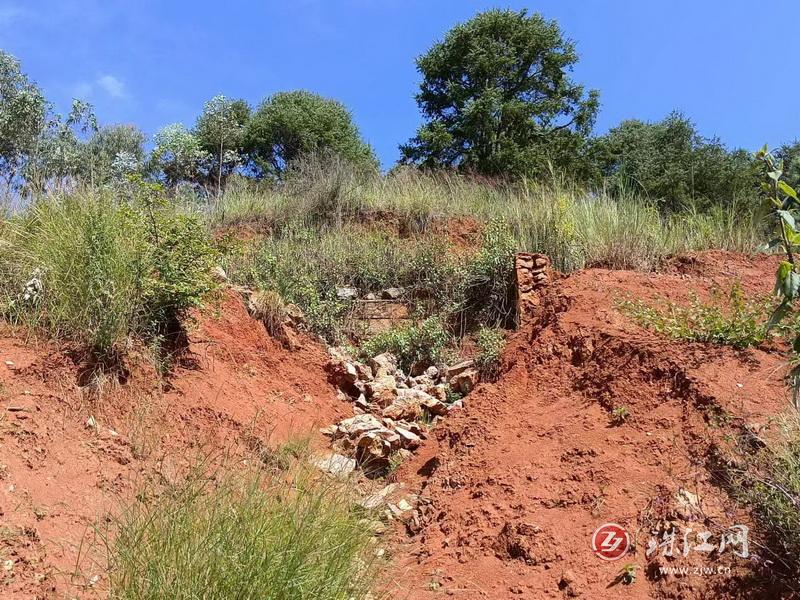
column 532, row 273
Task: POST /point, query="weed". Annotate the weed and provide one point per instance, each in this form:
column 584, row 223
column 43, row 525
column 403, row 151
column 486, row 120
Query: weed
column 490, row 344
column 729, row 319
column 619, row 415
column 413, row 345
column 766, row 478
column 245, row 535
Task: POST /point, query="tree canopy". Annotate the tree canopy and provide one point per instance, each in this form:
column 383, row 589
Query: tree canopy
column 497, row 98
column 672, row 163
column 289, row 125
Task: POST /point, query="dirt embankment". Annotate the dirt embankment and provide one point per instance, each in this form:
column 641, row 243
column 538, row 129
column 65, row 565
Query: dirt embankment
column 519, row 480
column 514, row 485
column 60, row 472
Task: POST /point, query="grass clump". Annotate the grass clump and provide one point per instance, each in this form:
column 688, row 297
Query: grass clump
column 97, row 269
column 730, row 319
column 490, row 342
column 247, row 536
column 767, row 480
column 414, row 345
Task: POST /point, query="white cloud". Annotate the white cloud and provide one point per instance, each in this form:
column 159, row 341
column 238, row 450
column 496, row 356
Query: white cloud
column 112, row 86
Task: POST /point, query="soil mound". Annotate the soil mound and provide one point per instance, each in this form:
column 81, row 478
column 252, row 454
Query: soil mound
column 68, row 456
column 515, row 485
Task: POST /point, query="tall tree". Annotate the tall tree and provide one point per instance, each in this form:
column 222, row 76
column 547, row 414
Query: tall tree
column 497, row 98
column 178, row 155
column 23, row 114
column 289, row 125
column 220, row 131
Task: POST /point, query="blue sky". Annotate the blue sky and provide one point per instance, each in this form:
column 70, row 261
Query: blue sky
column 728, row 64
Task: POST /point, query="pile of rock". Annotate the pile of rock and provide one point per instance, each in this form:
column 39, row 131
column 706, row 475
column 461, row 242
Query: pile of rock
column 390, row 405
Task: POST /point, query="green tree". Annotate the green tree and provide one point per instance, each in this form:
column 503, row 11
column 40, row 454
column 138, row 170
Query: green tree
column 498, row 100
column 673, row 164
column 59, row 154
column 178, row 155
column 113, row 152
column 23, row 114
column 220, row 131
column 290, row 125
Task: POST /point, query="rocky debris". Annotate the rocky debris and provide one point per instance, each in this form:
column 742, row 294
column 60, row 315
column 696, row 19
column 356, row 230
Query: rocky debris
column 389, row 405
column 465, row 381
column 335, row 464
column 346, row 293
column 392, row 293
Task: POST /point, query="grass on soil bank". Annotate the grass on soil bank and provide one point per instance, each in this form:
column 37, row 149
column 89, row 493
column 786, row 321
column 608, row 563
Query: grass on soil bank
column 99, row 268
column 766, row 479
column 252, row 535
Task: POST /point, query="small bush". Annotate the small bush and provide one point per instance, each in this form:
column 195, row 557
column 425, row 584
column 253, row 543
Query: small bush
column 487, row 293
column 282, row 536
column 96, row 270
column 490, row 344
column 729, row 319
column 421, row 344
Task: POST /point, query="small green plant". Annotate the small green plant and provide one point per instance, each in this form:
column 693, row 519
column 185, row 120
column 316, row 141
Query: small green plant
column 284, row 536
column 619, row 415
column 490, row 342
column 728, row 319
column 628, row 574
column 785, row 209
column 418, row 344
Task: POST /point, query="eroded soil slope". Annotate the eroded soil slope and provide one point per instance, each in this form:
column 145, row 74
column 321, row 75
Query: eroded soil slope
column 516, row 483
column 60, row 472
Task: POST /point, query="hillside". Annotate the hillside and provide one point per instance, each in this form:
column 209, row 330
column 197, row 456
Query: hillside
column 511, row 487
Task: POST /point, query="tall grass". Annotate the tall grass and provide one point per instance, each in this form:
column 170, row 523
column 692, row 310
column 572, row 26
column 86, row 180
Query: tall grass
column 574, row 226
column 247, row 536
column 94, row 268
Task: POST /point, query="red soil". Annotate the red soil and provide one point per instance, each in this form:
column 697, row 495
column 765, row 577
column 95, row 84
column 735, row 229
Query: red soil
column 235, row 386
column 520, row 479
column 517, row 481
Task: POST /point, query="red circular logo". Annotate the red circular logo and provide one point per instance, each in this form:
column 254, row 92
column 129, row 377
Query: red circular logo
column 610, row 541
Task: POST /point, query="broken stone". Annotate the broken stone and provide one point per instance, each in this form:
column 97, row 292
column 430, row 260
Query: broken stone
column 457, row 369
column 359, row 425
column 403, row 408
column 408, row 439
column 219, row 275
column 465, row 381
column 377, row 499
column 383, row 364
column 392, row 293
column 382, row 390
column 346, row 293
column 335, row 464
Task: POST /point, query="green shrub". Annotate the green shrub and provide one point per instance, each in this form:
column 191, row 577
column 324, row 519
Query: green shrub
column 490, row 344
column 102, row 270
column 421, row 344
column 729, row 319
column 767, row 481
column 487, row 294
column 284, row 536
